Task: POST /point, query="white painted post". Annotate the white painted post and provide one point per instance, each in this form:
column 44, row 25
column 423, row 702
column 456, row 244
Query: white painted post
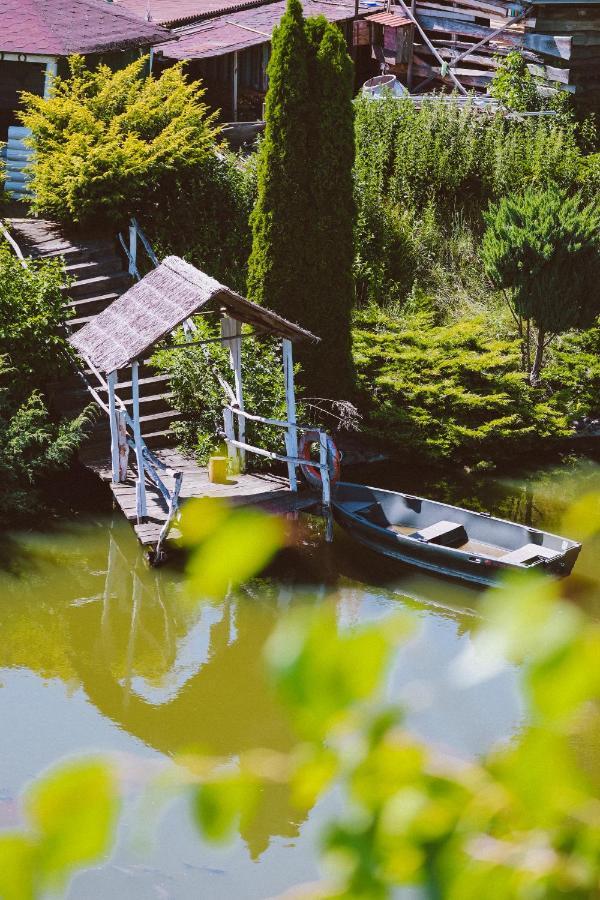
column 291, row 437
column 230, row 435
column 133, row 250
column 49, row 76
column 324, row 467
column 140, row 485
column 324, row 464
column 235, row 86
column 114, row 433
column 231, row 330
column 123, row 445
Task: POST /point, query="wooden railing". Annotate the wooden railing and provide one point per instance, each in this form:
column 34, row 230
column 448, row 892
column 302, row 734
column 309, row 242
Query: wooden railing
column 131, row 248
column 292, row 460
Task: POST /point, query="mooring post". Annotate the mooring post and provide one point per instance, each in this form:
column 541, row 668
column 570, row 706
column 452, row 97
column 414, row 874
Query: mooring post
column 324, row 468
column 114, row 426
column 291, row 437
column 140, row 485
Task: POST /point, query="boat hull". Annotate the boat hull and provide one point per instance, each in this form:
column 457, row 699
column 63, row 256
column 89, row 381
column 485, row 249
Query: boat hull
column 478, row 562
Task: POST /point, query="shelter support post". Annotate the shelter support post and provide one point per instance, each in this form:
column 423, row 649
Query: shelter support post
column 140, row 485
column 114, row 427
column 231, row 331
column 291, row 436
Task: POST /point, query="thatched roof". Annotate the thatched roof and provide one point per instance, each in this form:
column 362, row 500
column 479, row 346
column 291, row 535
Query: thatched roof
column 157, row 304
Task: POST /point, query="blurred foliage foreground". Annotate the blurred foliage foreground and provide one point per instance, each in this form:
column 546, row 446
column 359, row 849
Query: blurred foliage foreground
column 523, row 822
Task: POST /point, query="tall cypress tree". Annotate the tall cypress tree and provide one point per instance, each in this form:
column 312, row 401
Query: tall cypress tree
column 331, row 148
column 280, row 217
column 301, row 261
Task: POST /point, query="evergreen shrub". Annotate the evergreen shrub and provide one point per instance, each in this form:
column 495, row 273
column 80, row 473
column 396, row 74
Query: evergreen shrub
column 34, row 446
column 450, row 392
column 106, row 141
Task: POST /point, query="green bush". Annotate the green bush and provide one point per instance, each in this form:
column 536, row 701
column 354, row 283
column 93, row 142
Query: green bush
column 422, row 174
column 199, row 397
column 33, row 350
column 448, row 392
column 106, row 141
column 542, row 248
column 204, row 216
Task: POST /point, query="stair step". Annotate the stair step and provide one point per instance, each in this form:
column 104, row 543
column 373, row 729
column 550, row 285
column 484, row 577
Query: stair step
column 104, row 265
column 159, row 418
column 93, row 304
column 99, row 284
column 164, row 438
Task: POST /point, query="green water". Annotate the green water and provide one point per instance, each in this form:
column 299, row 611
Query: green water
column 99, row 653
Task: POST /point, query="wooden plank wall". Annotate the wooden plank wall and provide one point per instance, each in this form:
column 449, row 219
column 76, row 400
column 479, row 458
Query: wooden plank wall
column 561, row 43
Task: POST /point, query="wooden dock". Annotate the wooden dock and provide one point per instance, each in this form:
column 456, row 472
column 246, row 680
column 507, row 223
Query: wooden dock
column 99, row 277
column 264, row 489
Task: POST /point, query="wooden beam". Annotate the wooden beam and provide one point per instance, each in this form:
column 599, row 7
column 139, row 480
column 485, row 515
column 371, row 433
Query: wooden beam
column 414, row 19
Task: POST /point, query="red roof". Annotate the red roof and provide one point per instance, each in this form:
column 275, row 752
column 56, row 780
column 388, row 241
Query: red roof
column 234, row 31
column 63, row 27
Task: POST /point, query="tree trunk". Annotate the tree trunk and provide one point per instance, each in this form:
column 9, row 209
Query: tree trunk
column 534, row 377
column 528, row 346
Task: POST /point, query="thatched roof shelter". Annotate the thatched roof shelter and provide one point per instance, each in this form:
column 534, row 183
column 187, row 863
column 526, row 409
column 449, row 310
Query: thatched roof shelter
column 157, row 304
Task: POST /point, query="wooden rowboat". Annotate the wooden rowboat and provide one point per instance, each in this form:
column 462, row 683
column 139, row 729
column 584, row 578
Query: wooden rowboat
column 447, row 539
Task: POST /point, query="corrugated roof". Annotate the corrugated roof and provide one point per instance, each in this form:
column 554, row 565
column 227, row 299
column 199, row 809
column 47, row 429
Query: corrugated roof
column 177, row 12
column 62, row 27
column 235, row 31
column 156, row 305
column 389, row 19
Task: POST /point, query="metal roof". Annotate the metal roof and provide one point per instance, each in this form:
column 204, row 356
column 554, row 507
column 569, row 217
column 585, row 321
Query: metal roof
column 156, row 305
column 178, row 12
column 234, row 31
column 63, row 27
column 389, row 19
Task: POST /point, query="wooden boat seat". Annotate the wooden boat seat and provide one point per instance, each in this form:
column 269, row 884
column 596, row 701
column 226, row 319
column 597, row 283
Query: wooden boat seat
column 448, row 534
column 529, row 553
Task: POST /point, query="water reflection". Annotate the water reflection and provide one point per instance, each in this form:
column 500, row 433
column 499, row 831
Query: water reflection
column 127, row 661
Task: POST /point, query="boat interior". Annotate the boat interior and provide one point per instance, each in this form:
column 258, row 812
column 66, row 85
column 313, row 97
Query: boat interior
column 435, row 523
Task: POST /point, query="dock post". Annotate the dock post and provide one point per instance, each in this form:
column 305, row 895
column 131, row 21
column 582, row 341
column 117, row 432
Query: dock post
column 291, row 437
column 140, row 484
column 114, row 426
column 324, row 468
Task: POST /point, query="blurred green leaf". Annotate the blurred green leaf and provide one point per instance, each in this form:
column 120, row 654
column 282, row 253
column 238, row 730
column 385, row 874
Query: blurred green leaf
column 322, row 672
column 73, row 812
column 231, row 545
column 17, row 867
column 582, row 519
column 220, row 805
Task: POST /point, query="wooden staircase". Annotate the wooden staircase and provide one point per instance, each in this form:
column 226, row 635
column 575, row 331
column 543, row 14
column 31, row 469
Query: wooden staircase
column 98, row 273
